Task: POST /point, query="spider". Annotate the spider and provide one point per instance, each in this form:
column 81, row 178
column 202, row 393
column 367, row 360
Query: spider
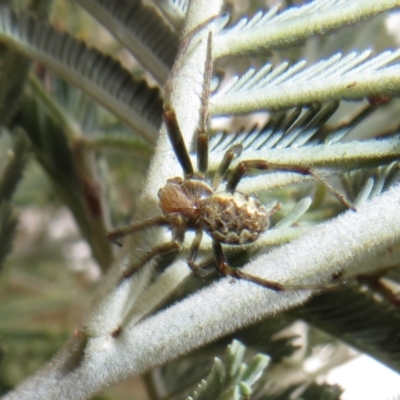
column 192, row 204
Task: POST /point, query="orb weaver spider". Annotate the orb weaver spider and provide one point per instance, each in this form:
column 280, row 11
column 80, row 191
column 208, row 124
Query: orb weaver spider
column 192, row 204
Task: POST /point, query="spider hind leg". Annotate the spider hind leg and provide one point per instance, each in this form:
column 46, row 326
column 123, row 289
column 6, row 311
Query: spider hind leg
column 225, row 269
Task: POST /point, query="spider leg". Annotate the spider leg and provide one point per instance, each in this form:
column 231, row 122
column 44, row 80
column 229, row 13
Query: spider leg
column 174, row 245
column 224, row 268
column 197, row 268
column 243, row 166
column 173, row 130
column 202, row 130
column 159, row 250
column 118, row 233
column 232, row 152
column 171, row 121
column 176, row 138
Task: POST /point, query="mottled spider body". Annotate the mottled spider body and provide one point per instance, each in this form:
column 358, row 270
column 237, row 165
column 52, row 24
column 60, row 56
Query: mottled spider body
column 234, row 218
column 230, row 218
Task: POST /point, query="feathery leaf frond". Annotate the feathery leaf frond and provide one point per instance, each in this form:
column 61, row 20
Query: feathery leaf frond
column 271, row 29
column 141, row 30
column 354, row 76
column 98, row 75
column 174, row 11
column 294, row 128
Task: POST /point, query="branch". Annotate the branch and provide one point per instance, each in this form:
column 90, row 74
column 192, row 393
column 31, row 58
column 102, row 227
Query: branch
column 340, row 245
column 100, row 76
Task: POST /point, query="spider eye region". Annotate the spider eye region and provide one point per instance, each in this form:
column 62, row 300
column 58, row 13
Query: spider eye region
column 233, row 218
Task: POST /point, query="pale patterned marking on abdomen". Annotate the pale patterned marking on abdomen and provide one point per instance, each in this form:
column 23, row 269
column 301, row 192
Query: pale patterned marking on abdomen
column 233, row 218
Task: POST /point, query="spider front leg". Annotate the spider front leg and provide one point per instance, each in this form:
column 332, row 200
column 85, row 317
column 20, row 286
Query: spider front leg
column 223, row 168
column 175, row 245
column 202, row 130
column 176, row 138
column 172, row 126
column 118, row 233
column 243, row 166
column 171, row 121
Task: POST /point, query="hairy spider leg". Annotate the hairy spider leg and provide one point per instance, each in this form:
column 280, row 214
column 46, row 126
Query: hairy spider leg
column 176, row 138
column 202, row 130
column 225, row 269
column 174, row 245
column 171, row 121
column 244, row 166
column 226, row 162
column 197, row 268
column 173, row 130
column 119, row 233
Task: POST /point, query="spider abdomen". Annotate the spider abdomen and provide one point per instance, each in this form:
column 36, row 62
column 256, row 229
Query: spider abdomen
column 233, row 218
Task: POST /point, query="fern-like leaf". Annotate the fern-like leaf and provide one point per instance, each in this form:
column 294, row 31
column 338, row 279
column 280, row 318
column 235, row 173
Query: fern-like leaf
column 364, row 185
column 304, row 134
column 141, row 30
column 354, row 76
column 268, row 30
column 299, row 127
column 98, row 75
column 174, row 11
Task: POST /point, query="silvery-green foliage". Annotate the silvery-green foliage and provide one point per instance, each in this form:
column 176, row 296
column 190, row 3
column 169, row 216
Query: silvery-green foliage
column 231, row 379
column 307, row 120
